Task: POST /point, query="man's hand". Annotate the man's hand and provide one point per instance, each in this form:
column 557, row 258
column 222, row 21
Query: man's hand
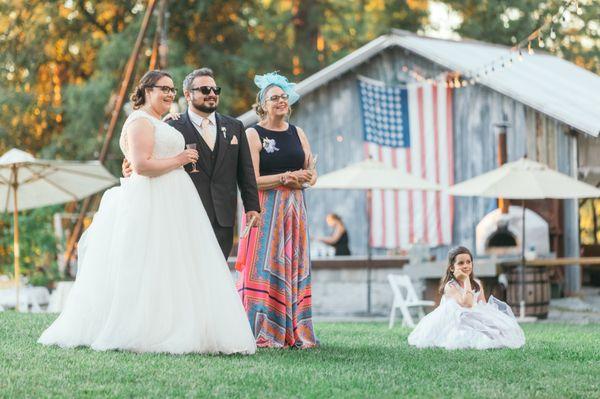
column 126, row 168
column 249, row 218
column 171, row 115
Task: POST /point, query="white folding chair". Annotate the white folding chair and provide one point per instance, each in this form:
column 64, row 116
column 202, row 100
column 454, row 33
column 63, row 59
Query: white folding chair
column 405, row 302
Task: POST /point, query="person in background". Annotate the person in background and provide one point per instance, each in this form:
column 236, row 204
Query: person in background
column 339, row 237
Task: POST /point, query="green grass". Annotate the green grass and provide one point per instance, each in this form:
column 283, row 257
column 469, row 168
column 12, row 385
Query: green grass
column 355, row 360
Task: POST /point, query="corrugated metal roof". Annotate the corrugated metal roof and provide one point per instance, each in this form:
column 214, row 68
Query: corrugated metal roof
column 551, row 85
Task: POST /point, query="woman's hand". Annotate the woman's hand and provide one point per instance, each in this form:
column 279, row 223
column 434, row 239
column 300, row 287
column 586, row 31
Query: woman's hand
column 187, row 156
column 303, row 175
column 289, row 178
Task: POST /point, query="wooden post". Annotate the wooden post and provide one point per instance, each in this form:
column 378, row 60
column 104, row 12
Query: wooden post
column 128, row 74
column 503, row 204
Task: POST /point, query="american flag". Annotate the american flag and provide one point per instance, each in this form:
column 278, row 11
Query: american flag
column 410, row 128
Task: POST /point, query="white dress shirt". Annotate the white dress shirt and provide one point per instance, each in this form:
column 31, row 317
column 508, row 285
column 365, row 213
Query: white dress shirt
column 197, row 122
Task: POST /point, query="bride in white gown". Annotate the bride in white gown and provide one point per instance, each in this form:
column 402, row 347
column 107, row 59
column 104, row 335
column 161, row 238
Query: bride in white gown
column 151, row 275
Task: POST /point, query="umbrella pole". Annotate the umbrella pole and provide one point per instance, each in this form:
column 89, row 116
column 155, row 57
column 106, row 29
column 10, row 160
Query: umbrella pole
column 16, row 249
column 369, row 255
column 522, row 266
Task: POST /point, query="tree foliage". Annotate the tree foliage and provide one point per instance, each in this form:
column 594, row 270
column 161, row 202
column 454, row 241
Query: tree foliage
column 576, row 37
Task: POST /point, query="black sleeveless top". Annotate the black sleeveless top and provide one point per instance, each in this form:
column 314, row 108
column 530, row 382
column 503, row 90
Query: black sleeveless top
column 341, row 246
column 281, row 150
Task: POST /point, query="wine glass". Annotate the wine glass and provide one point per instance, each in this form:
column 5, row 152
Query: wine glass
column 192, row 146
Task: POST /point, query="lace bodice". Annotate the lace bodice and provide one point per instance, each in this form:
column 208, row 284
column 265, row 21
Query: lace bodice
column 168, row 142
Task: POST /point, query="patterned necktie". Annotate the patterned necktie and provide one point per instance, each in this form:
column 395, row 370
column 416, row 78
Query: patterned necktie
column 207, row 134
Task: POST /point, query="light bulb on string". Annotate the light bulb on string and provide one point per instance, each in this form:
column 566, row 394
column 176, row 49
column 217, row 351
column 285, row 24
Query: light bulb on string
column 529, row 49
column 552, row 34
column 540, row 42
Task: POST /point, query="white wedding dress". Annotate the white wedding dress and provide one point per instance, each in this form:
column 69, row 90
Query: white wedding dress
column 151, row 275
column 484, row 326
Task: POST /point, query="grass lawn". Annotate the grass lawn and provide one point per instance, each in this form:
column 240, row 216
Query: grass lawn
column 355, row 360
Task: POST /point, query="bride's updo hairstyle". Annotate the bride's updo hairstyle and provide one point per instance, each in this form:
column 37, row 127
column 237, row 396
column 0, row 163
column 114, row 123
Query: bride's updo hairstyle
column 138, row 97
column 449, row 275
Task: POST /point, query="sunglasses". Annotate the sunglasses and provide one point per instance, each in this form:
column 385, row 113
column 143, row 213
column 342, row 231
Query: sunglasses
column 207, row 89
column 166, row 89
column 276, row 97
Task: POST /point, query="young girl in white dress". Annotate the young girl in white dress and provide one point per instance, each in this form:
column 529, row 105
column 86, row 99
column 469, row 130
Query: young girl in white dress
column 464, row 319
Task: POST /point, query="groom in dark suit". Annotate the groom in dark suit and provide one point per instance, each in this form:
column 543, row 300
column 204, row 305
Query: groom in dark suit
column 224, row 156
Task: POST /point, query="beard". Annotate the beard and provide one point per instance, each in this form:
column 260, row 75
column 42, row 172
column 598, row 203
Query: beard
column 205, row 108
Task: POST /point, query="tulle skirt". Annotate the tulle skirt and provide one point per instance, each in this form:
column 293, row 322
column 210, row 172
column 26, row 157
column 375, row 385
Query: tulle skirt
column 151, row 277
column 484, row 326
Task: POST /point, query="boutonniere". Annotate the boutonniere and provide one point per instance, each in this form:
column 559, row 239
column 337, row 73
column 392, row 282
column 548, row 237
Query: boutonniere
column 224, row 131
column 269, row 145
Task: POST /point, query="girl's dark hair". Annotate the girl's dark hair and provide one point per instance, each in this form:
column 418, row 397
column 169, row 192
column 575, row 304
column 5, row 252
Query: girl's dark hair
column 449, row 275
column 138, row 97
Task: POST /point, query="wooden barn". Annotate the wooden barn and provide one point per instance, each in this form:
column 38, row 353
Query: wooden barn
column 539, row 106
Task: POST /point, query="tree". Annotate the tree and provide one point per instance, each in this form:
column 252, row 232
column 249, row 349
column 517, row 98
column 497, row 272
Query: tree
column 575, row 38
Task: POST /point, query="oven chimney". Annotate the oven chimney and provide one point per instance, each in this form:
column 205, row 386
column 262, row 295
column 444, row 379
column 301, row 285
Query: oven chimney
column 503, row 204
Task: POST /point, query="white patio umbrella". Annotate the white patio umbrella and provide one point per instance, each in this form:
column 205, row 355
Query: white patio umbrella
column 372, row 175
column 521, row 180
column 26, row 183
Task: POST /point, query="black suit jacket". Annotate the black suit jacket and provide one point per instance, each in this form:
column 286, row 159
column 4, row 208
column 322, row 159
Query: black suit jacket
column 217, row 181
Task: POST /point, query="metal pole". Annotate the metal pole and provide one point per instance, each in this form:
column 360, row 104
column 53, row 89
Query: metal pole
column 522, row 267
column 369, row 249
column 16, row 249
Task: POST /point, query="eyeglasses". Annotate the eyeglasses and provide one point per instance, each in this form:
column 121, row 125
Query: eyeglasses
column 207, row 89
column 166, row 89
column 276, row 97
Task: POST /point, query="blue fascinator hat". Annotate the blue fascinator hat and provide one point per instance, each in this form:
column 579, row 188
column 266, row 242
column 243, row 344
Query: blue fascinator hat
column 274, row 79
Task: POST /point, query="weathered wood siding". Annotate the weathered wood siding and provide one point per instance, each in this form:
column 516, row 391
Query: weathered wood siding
column 333, row 110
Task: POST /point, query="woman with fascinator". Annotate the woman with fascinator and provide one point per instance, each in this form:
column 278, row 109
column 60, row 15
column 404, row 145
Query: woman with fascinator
column 273, row 259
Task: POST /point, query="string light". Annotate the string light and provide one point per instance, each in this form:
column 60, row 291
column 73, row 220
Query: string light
column 454, row 79
column 502, row 63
